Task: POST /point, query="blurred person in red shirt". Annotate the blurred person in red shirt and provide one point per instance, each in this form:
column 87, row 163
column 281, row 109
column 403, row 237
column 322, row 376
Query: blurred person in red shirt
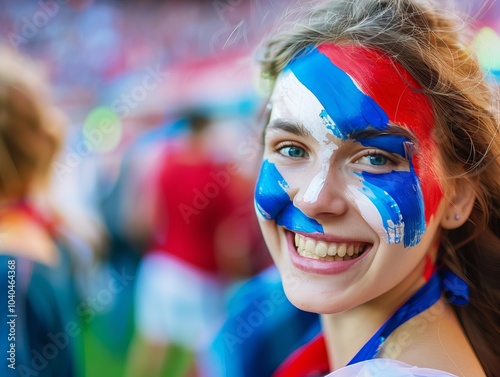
column 203, row 233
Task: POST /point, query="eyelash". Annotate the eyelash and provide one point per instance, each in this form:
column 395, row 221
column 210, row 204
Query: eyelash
column 378, row 153
column 288, row 144
column 391, row 161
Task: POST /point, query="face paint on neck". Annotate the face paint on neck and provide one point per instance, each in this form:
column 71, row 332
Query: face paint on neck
column 274, row 203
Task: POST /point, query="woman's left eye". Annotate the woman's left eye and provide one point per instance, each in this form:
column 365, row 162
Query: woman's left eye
column 374, row 159
column 293, row 151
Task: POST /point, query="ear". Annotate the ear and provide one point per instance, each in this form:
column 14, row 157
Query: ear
column 459, row 206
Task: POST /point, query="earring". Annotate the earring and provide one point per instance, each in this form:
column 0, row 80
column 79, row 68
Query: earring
column 457, row 217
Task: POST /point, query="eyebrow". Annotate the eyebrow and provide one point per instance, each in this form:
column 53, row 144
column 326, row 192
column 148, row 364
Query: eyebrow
column 392, row 130
column 288, row 126
column 394, row 139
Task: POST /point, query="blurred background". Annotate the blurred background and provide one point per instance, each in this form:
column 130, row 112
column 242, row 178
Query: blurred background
column 130, row 77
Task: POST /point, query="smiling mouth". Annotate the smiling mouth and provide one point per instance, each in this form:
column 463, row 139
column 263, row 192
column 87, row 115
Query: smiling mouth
column 329, row 251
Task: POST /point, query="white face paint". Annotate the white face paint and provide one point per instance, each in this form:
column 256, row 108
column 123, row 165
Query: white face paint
column 300, row 103
column 365, row 207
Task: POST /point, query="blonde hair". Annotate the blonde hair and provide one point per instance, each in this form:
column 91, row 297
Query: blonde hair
column 30, row 127
column 431, row 46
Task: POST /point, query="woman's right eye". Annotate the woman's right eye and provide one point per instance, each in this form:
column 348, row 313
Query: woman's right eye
column 293, row 151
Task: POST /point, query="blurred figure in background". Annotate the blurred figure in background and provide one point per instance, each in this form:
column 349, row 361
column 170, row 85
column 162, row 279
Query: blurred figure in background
column 203, row 233
column 43, row 337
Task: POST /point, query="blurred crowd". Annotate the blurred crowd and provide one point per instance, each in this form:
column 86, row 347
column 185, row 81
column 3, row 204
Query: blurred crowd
column 129, row 146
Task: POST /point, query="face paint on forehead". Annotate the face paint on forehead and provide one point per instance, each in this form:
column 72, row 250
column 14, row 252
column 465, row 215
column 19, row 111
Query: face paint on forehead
column 362, row 88
column 387, row 83
column 346, row 108
column 298, row 104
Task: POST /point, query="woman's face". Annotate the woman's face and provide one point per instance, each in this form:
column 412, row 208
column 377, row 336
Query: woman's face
column 347, row 197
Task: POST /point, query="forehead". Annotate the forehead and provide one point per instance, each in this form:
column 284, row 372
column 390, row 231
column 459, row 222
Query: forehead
column 356, row 87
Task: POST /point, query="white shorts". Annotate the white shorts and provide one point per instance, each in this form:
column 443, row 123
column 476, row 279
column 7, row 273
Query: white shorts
column 177, row 303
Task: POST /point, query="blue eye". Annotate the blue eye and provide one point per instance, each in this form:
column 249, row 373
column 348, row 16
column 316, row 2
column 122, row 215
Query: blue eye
column 374, row 160
column 292, row 151
column 378, row 160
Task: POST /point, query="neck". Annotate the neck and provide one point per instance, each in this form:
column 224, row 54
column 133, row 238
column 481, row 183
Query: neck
column 347, row 332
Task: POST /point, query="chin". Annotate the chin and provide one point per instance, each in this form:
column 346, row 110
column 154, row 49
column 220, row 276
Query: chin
column 315, row 293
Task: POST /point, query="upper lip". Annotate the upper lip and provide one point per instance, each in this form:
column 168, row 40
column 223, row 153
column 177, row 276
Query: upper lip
column 330, row 238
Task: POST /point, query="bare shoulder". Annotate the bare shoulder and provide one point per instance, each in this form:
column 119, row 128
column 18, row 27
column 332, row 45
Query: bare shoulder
column 22, row 237
column 434, row 339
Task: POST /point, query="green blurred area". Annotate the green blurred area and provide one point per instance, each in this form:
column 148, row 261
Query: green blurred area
column 101, row 361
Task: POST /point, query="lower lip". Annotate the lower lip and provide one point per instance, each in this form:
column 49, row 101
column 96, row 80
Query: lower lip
column 316, row 266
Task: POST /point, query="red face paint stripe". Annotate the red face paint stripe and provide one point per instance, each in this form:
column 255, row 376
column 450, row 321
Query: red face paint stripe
column 398, row 96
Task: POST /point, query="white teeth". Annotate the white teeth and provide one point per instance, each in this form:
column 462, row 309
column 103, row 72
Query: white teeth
column 310, row 248
column 350, row 250
column 341, row 250
column 332, row 249
column 321, row 249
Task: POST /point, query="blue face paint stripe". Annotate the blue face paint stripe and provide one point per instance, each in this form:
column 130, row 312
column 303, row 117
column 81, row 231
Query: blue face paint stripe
column 270, row 192
column 273, row 202
column 388, row 143
column 398, row 195
column 294, row 219
column 329, row 124
column 350, row 109
column 388, row 209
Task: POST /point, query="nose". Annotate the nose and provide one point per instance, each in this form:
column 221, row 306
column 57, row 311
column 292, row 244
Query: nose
column 322, row 195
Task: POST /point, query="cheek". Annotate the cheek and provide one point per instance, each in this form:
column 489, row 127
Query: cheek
column 271, row 237
column 273, row 202
column 271, row 194
column 399, row 200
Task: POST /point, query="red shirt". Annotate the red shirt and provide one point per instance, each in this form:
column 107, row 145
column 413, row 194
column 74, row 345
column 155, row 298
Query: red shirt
column 193, row 200
column 310, row 360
